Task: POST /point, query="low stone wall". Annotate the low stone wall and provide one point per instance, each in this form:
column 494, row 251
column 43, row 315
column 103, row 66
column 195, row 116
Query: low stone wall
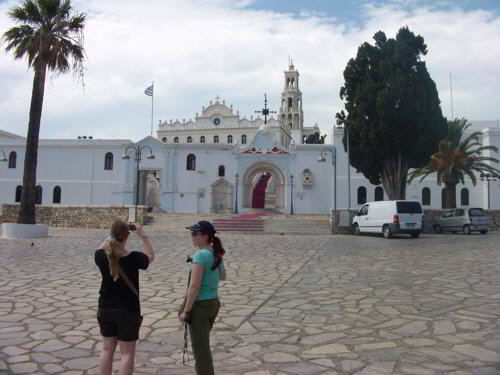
column 344, row 219
column 99, row 217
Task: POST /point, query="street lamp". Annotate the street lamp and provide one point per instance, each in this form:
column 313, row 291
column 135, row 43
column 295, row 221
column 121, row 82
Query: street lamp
column 487, row 177
column 236, row 176
column 3, row 157
column 322, row 159
column 291, row 194
column 138, row 157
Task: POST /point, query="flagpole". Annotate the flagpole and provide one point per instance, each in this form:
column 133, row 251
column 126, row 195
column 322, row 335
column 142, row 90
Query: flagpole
column 152, row 96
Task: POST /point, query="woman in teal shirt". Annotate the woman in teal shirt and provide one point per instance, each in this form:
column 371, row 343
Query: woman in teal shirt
column 202, row 303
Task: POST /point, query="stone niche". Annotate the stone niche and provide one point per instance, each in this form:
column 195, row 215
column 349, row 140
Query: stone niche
column 307, row 178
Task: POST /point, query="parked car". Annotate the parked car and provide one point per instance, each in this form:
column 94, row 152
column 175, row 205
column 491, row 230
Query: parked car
column 465, row 220
column 388, row 218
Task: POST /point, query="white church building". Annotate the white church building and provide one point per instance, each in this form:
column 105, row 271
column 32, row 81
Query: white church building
column 218, row 162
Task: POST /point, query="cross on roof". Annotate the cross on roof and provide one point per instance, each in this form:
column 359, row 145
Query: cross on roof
column 217, row 99
column 265, row 111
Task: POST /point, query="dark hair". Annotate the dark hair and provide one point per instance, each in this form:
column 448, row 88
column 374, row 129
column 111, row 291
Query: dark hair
column 218, row 249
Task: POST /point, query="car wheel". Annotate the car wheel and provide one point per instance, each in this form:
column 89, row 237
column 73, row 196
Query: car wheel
column 415, row 235
column 355, row 230
column 467, row 229
column 437, row 229
column 386, row 231
column 483, row 231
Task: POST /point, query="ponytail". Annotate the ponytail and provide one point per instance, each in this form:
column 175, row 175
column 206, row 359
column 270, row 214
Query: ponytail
column 113, row 259
column 119, row 233
column 218, row 251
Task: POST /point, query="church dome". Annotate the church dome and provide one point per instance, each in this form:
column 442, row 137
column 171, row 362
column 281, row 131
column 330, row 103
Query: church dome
column 217, row 109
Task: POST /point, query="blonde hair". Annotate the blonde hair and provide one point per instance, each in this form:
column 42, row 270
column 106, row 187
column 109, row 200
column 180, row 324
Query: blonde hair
column 119, row 233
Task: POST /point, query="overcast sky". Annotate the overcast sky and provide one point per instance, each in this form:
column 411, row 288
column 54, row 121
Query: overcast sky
column 238, row 49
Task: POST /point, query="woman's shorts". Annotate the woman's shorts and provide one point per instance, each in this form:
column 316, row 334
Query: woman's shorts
column 119, row 323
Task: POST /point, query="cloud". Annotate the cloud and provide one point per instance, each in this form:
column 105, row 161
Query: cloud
column 195, row 50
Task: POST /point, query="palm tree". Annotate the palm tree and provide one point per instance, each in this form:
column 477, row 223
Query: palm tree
column 49, row 35
column 459, row 155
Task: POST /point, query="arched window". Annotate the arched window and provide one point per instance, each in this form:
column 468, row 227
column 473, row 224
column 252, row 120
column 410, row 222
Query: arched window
column 176, row 139
column 426, row 196
column 19, row 191
column 216, row 139
column 229, row 138
column 108, row 162
column 38, row 194
column 191, row 162
column 56, row 196
column 361, row 195
column 222, row 171
column 189, row 139
column 290, row 102
column 202, row 139
column 12, row 159
column 164, row 139
column 464, row 197
column 379, row 193
column 244, row 139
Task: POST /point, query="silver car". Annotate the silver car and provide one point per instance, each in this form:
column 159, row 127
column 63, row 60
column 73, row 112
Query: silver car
column 465, row 220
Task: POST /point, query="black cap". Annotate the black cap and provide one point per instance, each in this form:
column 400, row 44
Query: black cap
column 202, row 226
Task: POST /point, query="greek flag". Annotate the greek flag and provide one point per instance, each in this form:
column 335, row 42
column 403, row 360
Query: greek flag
column 149, row 91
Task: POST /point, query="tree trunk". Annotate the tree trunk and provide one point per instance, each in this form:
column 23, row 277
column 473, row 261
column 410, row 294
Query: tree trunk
column 451, row 195
column 27, row 205
column 394, row 176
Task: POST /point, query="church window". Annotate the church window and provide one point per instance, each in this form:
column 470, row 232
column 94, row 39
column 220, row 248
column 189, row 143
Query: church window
column 164, row 139
column 191, row 162
column 361, row 195
column 290, row 103
column 426, row 196
column 56, row 197
column 38, row 194
column 229, row 138
column 202, row 139
column 12, row 159
column 222, row 171
column 189, row 139
column 244, row 139
column 19, row 191
column 216, row 139
column 464, row 197
column 108, row 161
column 379, row 193
column 176, row 139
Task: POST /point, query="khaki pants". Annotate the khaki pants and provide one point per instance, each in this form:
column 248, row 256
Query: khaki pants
column 203, row 316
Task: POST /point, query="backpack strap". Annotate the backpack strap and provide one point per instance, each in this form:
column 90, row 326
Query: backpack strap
column 129, row 283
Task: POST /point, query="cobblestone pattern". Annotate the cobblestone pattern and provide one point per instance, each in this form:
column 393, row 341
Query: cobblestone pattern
column 292, row 305
column 73, row 216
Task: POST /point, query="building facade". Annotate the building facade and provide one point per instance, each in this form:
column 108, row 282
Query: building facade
column 220, row 162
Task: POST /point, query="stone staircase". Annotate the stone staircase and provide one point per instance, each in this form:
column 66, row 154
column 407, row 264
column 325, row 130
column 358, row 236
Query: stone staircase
column 266, row 222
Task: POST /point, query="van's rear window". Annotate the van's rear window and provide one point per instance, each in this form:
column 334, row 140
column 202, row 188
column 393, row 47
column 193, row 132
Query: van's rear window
column 409, row 207
column 476, row 212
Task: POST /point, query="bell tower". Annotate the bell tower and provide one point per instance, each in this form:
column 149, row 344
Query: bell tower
column 291, row 114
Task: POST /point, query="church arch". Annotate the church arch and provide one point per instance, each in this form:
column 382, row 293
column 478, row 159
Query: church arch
column 274, row 197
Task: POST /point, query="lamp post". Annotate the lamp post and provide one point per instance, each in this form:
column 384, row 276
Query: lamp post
column 322, row 159
column 3, row 157
column 487, row 177
column 291, row 194
column 138, row 157
column 236, row 194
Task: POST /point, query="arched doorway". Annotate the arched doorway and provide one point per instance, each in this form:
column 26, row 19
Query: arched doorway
column 264, row 187
column 221, row 196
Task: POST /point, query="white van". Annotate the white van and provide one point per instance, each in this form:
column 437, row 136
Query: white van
column 388, row 218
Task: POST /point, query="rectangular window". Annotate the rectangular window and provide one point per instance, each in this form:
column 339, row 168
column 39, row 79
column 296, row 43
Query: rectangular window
column 409, row 207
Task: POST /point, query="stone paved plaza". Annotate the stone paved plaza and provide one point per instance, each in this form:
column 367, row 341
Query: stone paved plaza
column 292, row 305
